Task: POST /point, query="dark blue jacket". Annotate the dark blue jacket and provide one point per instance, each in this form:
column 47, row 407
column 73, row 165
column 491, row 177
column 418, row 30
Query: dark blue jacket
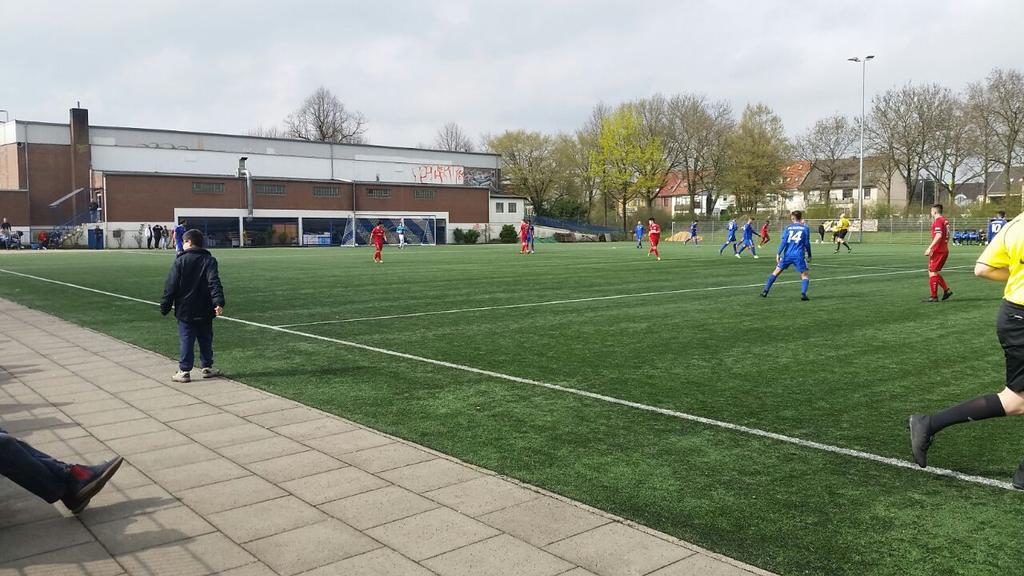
column 193, row 287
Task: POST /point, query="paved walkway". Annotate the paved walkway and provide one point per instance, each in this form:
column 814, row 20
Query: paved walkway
column 223, row 478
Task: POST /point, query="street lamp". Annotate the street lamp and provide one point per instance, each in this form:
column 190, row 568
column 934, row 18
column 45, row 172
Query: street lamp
column 863, row 105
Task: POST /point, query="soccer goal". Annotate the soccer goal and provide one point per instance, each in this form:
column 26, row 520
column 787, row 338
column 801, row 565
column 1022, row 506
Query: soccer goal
column 418, row 230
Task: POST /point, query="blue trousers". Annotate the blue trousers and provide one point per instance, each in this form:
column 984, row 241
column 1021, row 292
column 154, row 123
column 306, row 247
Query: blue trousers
column 188, row 334
column 39, row 473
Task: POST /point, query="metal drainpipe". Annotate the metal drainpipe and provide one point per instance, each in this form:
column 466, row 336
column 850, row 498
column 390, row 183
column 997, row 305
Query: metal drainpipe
column 243, row 172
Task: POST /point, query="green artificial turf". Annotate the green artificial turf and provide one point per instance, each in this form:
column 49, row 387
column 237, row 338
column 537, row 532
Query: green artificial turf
column 845, row 369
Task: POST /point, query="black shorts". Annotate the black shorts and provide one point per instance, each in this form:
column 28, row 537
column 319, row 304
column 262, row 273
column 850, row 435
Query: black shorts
column 841, row 234
column 1010, row 331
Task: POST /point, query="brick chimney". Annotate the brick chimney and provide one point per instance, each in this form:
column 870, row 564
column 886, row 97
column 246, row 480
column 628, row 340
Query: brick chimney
column 81, row 154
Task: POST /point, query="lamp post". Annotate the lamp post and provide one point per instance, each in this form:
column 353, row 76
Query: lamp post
column 863, row 106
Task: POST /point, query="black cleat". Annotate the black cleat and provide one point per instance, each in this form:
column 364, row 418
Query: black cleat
column 804, row 298
column 920, row 439
column 1018, row 477
column 764, row 293
column 947, row 294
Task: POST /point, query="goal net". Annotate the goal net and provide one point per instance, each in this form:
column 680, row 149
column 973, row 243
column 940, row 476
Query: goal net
column 418, row 230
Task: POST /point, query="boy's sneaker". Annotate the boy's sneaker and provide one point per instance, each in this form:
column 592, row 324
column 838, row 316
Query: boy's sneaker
column 920, row 439
column 804, row 298
column 210, row 372
column 182, row 376
column 764, row 293
column 738, row 256
column 86, row 482
column 756, row 256
column 1018, row 477
column 946, row 294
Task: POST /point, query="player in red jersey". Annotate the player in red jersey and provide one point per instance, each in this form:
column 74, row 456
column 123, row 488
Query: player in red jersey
column 654, row 235
column 764, row 233
column 377, row 237
column 937, row 253
column 524, row 236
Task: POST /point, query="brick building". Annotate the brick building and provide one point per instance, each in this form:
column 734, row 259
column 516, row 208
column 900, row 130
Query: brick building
column 298, row 192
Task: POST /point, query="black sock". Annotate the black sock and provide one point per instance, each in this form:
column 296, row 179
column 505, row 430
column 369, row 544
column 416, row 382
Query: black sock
column 980, row 408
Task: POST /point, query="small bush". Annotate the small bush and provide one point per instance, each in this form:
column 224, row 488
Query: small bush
column 459, row 235
column 471, row 236
column 508, row 234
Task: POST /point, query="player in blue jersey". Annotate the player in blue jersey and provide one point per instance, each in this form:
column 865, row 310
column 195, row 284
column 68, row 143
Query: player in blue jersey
column 693, row 234
column 794, row 250
column 748, row 238
column 995, row 225
column 730, row 237
column 638, row 231
column 530, row 235
column 179, row 237
column 400, row 230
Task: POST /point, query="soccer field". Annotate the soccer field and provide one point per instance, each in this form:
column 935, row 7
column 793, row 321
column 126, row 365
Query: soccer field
column 483, row 354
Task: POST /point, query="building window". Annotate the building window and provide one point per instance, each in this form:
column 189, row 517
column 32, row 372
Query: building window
column 270, row 189
column 208, row 187
column 511, row 207
column 423, row 194
column 326, row 191
column 848, row 194
column 499, row 207
column 867, row 192
column 378, row 192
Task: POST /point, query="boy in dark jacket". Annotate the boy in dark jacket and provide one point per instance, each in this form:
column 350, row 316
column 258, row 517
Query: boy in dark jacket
column 193, row 289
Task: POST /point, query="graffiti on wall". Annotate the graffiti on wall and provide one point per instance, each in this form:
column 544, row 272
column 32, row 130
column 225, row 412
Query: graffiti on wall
column 438, row 174
column 480, row 177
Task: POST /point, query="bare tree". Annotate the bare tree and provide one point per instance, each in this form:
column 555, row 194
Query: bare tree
column 999, row 104
column 266, row 132
column 451, row 138
column 699, row 134
column 953, row 156
column 322, row 117
column 825, row 144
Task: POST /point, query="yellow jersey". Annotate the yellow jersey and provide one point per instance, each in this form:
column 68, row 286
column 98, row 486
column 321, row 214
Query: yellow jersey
column 1007, row 251
column 843, row 224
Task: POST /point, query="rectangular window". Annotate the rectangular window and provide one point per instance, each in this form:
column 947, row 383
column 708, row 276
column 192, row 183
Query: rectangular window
column 499, row 207
column 378, row 192
column 867, row 192
column 208, row 187
column 326, row 191
column 511, row 207
column 423, row 194
column 270, row 189
column 847, row 194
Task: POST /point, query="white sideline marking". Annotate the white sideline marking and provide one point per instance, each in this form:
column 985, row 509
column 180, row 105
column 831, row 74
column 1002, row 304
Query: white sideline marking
column 585, row 394
column 591, row 299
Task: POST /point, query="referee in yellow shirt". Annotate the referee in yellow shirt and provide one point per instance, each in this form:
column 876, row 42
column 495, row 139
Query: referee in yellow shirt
column 1002, row 261
column 839, row 232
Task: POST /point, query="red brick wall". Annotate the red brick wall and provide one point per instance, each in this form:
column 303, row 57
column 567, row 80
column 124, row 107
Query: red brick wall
column 49, row 178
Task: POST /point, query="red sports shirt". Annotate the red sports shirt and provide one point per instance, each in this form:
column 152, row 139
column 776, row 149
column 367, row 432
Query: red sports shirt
column 377, row 235
column 654, row 230
column 941, row 226
column 524, row 230
column 764, row 230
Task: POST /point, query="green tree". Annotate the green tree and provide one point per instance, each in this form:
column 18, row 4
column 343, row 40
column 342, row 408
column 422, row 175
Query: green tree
column 758, row 150
column 626, row 162
column 528, row 165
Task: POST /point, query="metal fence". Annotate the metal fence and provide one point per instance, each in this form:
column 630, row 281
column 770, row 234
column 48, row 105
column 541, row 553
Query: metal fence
column 913, row 230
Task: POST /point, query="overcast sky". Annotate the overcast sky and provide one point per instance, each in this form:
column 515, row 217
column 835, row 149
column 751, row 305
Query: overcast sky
column 411, row 66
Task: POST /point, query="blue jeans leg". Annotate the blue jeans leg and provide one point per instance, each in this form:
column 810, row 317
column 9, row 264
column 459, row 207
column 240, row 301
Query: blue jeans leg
column 204, row 333
column 31, row 469
column 187, row 340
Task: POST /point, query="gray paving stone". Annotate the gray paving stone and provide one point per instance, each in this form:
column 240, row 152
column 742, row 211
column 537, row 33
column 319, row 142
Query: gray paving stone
column 124, row 429
column 108, row 403
column 333, row 485
column 543, row 521
column 207, row 554
column 347, row 442
column 617, row 549
column 89, row 559
column 379, row 562
column 273, row 447
column 37, row 437
column 184, row 412
column 134, row 397
column 129, row 476
column 295, row 466
column 431, row 533
column 235, row 435
column 172, row 457
column 115, row 503
column 233, row 396
column 387, row 457
column 150, row 442
column 498, row 556
column 167, row 399
column 194, row 426
column 318, row 428
column 254, row 569
column 275, row 516
column 430, row 475
column 22, row 507
column 153, row 529
column 700, row 565
column 482, row 495
column 230, row 494
column 202, row 473
column 109, row 417
column 73, row 449
column 378, row 507
column 284, row 417
column 259, row 405
column 578, row 572
column 38, row 537
column 310, row 547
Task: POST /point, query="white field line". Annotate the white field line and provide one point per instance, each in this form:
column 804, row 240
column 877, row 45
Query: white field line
column 590, row 299
column 896, row 462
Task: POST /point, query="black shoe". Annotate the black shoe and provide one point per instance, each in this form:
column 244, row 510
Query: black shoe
column 764, row 293
column 947, row 294
column 1018, row 477
column 931, row 300
column 837, row 251
column 920, row 439
column 86, row 482
column 804, row 298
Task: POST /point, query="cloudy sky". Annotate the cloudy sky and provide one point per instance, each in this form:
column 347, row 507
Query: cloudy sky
column 410, row 66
